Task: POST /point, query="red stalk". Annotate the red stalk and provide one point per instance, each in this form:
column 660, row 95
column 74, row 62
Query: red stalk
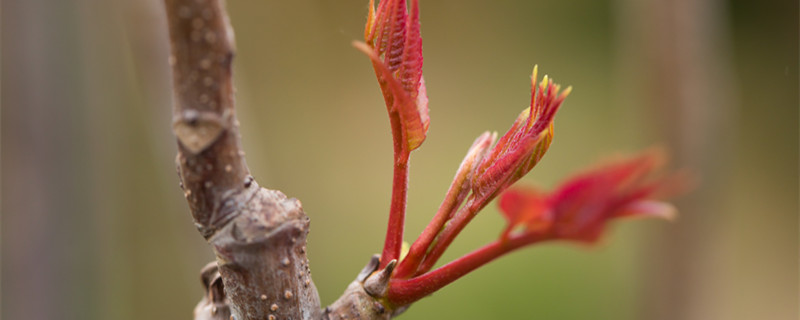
column 393, row 243
column 450, row 231
column 410, row 264
column 405, row 291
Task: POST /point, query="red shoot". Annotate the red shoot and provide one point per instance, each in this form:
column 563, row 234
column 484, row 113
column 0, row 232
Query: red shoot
column 459, row 189
column 578, row 210
column 394, row 45
column 514, row 155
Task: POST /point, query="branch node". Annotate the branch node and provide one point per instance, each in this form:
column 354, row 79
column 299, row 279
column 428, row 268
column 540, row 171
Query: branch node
column 377, row 284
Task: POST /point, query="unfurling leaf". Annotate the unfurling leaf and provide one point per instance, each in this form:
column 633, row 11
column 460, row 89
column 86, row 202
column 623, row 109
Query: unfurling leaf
column 394, row 45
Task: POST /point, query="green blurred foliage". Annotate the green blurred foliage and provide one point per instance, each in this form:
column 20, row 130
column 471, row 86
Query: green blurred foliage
column 95, row 227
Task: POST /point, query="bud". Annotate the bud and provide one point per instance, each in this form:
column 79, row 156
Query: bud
column 525, row 143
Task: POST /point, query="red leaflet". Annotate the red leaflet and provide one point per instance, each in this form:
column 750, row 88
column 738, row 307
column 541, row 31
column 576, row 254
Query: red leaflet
column 580, row 208
column 526, row 207
column 394, row 45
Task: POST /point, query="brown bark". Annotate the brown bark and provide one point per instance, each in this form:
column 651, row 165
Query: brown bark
column 258, row 235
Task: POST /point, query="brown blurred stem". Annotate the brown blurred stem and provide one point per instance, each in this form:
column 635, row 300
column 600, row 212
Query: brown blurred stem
column 677, row 52
column 258, row 235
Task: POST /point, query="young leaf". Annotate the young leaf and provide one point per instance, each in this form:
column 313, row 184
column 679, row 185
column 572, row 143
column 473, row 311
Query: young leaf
column 394, row 45
column 581, row 207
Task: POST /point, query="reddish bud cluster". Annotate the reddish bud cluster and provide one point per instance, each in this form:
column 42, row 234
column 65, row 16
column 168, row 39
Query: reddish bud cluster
column 485, row 172
column 578, row 210
column 525, row 143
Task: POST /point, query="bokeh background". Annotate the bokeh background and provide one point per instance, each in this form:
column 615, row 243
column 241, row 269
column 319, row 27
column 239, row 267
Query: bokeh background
column 94, row 225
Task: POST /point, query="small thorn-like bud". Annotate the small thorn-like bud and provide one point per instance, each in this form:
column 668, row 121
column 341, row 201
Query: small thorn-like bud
column 377, row 283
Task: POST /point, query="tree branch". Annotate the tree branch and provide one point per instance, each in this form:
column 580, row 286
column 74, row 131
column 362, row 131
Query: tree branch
column 258, row 235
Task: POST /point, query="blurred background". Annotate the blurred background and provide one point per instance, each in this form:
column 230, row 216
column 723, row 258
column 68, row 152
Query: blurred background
column 94, row 225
